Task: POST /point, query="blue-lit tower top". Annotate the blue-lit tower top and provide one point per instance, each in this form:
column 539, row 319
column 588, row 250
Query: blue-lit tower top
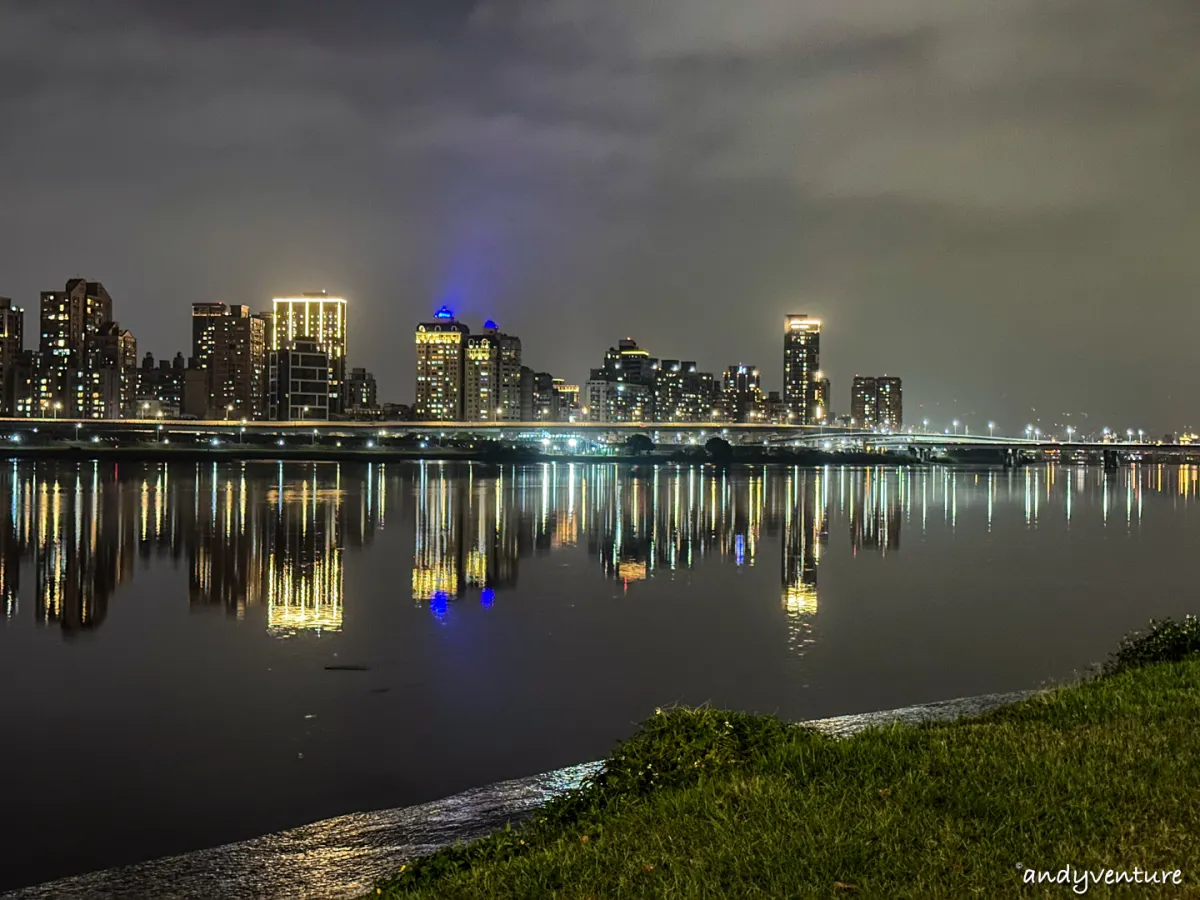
column 490, row 325
column 444, row 313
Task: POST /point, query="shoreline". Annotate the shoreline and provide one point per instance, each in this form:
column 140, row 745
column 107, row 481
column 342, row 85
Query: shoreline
column 295, row 863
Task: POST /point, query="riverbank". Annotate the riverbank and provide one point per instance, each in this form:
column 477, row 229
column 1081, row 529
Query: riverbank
column 1102, row 775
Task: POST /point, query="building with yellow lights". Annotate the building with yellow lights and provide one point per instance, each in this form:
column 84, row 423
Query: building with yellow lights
column 492, row 376
column 801, row 363
column 441, row 347
column 320, row 318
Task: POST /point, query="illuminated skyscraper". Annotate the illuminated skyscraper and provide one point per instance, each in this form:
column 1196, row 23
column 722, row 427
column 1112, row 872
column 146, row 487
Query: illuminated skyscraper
column 441, row 347
column 67, row 318
column 801, row 361
column 863, row 401
column 890, row 403
column 877, row 402
column 492, row 376
column 320, row 318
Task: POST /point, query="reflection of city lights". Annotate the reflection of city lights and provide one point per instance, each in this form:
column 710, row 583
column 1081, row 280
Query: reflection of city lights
column 800, row 600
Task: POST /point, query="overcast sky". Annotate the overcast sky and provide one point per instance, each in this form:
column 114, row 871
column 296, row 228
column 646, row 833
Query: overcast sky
column 996, row 201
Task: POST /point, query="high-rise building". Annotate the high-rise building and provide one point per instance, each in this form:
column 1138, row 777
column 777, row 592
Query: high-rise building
column 12, row 345
column 889, row 403
column 681, row 393
column 877, row 402
column 299, row 382
column 801, row 362
column 441, row 355
column 362, row 392
column 863, row 399
column 622, row 390
column 742, row 394
column 206, row 317
column 320, row 318
column 67, row 318
column 112, row 373
column 230, row 344
column 492, row 376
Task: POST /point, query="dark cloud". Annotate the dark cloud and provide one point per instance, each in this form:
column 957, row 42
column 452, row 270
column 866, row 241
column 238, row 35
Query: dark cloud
column 995, row 201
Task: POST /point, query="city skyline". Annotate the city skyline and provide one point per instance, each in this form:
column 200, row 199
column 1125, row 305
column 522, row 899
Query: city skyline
column 941, row 206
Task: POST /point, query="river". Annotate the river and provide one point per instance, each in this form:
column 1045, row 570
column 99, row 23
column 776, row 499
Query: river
column 194, row 654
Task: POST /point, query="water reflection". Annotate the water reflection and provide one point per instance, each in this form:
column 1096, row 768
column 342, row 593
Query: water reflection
column 275, row 536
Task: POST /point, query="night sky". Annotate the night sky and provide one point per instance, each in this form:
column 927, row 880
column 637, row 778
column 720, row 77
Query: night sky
column 995, row 201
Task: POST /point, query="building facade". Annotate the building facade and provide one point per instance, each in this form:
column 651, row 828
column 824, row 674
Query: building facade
column 877, row 402
column 12, row 346
column 298, row 383
column 362, row 392
column 889, row 402
column 160, row 387
column 441, row 347
column 230, row 345
column 801, row 362
column 622, row 389
column 822, row 412
column 742, row 395
column 69, row 318
column 492, row 376
column 682, row 393
column 112, row 373
column 863, row 409
column 319, row 318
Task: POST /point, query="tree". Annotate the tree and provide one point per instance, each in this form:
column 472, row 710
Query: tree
column 639, row 445
column 719, row 449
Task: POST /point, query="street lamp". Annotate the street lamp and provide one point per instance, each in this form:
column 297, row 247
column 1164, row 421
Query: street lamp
column 991, row 429
column 924, row 424
column 57, row 407
column 1028, row 431
column 146, row 410
column 1141, row 436
column 228, row 410
column 1070, row 431
column 1129, row 435
column 955, row 426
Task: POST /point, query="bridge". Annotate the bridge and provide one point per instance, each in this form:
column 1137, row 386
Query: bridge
column 570, row 438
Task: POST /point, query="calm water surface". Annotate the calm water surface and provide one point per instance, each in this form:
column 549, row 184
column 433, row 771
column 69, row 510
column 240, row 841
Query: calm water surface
column 165, row 630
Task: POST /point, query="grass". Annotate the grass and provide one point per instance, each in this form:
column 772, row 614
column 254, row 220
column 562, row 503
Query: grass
column 701, row 803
